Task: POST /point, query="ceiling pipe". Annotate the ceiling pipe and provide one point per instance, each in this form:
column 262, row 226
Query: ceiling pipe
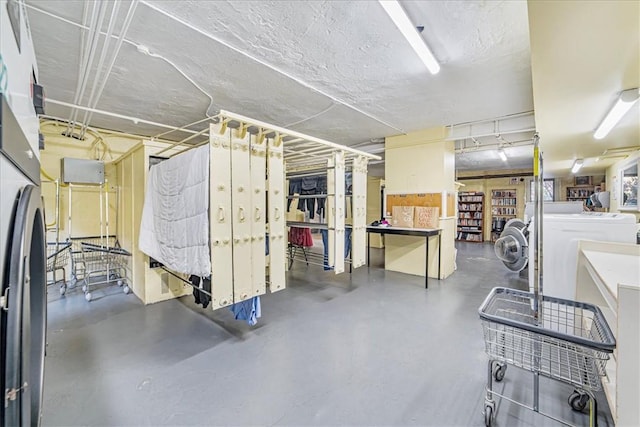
column 505, row 125
column 493, row 147
column 103, row 55
column 84, row 51
column 135, row 120
column 125, row 28
column 336, row 100
column 89, row 62
column 180, row 128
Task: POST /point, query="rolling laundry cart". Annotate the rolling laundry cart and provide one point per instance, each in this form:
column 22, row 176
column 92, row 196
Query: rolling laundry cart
column 104, row 265
column 58, row 259
column 571, row 342
column 78, row 266
column 560, row 339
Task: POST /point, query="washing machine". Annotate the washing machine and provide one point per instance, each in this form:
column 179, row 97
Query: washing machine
column 22, row 230
column 561, row 234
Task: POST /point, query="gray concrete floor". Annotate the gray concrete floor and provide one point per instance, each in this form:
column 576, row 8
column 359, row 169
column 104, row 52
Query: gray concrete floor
column 374, row 348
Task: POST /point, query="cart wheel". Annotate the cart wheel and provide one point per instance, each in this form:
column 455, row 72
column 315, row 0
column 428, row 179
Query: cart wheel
column 72, row 282
column 126, row 289
column 578, row 401
column 84, row 288
column 499, row 369
column 88, row 296
column 120, row 283
column 488, row 415
column 63, row 289
column 113, row 276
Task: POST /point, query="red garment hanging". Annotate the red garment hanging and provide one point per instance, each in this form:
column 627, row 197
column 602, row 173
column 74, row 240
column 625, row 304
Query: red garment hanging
column 300, row 236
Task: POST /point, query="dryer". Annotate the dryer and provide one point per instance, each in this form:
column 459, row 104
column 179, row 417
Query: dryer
column 561, row 234
column 22, row 231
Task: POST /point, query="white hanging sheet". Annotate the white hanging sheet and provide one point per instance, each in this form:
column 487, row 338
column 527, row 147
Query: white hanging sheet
column 175, row 217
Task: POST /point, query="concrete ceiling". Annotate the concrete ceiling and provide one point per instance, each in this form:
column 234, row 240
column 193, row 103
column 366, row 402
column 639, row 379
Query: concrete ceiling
column 583, row 55
column 336, row 70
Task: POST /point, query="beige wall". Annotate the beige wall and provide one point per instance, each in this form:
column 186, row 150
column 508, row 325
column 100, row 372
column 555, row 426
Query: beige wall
column 85, row 208
column 614, row 183
column 374, row 205
column 420, row 162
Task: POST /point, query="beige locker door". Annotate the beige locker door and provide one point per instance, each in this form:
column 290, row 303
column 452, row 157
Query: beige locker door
column 277, row 217
column 241, row 213
column 220, row 216
column 359, row 198
column 330, row 212
column 258, row 212
column 340, row 210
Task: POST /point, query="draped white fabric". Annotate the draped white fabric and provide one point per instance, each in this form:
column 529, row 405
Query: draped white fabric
column 175, row 216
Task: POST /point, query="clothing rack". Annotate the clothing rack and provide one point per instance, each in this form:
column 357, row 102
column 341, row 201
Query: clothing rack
column 185, row 281
column 242, row 205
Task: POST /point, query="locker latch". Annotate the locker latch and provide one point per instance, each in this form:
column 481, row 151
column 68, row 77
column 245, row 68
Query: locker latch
column 11, row 394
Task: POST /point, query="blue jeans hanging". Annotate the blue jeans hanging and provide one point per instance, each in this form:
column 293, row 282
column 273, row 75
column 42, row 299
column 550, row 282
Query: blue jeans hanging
column 325, row 243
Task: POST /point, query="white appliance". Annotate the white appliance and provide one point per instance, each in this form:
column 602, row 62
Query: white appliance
column 22, row 233
column 561, row 233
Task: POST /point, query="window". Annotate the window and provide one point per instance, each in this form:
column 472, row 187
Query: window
column 547, row 189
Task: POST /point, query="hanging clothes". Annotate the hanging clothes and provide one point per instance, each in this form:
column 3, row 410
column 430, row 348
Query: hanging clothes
column 325, row 243
column 247, row 310
column 199, row 285
column 300, row 236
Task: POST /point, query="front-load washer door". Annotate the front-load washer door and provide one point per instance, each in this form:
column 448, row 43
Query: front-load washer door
column 23, row 316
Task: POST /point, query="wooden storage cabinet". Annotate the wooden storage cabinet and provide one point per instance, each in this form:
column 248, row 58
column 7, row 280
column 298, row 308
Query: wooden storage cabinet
column 470, row 216
column 504, row 206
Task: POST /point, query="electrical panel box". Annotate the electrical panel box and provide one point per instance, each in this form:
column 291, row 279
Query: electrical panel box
column 81, row 171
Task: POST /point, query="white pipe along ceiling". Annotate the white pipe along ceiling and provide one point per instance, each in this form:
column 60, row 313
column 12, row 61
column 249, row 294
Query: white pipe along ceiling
column 341, row 71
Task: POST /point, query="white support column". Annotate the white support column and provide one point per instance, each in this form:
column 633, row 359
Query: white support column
column 330, row 212
column 340, row 210
column 220, row 216
column 359, row 198
column 277, row 217
column 258, row 212
column 241, row 213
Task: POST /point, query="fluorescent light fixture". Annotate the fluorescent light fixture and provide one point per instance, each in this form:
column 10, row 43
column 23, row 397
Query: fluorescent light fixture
column 623, row 104
column 577, row 164
column 502, row 154
column 409, row 31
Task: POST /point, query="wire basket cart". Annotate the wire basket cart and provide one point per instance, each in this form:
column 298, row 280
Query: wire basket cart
column 570, row 342
column 78, row 265
column 103, row 264
column 58, row 257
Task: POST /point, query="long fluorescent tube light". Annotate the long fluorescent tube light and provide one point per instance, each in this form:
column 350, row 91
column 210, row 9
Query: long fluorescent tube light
column 502, row 154
column 577, row 165
column 623, row 104
column 408, row 30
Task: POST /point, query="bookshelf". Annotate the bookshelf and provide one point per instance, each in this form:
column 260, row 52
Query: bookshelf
column 470, row 216
column 504, row 206
column 579, row 193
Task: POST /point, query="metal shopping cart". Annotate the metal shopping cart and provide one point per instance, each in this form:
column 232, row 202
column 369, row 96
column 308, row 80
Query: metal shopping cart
column 58, row 259
column 567, row 341
column 104, row 265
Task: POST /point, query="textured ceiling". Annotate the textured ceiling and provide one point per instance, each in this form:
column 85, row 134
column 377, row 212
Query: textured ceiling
column 582, row 58
column 336, row 70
